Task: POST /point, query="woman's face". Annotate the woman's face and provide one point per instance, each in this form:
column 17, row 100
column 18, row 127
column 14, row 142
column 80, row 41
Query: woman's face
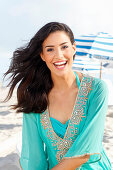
column 58, row 53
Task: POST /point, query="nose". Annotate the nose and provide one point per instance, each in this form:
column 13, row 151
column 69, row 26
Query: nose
column 59, row 53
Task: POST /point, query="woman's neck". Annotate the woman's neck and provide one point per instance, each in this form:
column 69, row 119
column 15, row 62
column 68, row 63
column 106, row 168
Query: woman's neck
column 65, row 82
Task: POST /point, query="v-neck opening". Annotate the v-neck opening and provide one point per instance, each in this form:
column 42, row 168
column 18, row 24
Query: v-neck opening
column 78, row 85
column 59, row 121
column 47, row 111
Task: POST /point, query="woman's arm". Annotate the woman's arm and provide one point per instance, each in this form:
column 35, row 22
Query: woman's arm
column 32, row 155
column 71, row 163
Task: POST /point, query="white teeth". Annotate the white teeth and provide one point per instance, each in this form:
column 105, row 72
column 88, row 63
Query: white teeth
column 60, row 63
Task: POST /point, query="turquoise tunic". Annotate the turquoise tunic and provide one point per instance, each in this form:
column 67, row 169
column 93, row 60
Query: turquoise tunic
column 46, row 141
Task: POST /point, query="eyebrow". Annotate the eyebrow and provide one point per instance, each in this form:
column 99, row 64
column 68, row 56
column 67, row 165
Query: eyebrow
column 53, row 45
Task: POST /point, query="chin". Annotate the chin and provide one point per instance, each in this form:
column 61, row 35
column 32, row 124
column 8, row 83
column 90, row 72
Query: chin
column 62, row 73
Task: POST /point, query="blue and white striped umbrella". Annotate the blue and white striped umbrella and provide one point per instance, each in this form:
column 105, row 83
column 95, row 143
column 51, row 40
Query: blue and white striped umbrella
column 85, row 65
column 82, row 61
column 93, row 46
column 98, row 46
column 102, row 47
column 83, row 44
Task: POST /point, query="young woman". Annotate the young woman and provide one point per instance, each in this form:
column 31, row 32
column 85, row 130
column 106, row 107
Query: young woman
column 63, row 111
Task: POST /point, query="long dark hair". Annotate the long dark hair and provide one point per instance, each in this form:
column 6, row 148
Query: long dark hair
column 30, row 72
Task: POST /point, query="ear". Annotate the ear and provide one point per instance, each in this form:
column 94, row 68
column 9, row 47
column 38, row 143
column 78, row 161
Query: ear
column 74, row 47
column 42, row 56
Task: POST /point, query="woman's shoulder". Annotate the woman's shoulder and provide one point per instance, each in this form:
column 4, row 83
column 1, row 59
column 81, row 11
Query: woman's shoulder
column 97, row 84
column 31, row 116
column 93, row 83
column 96, row 81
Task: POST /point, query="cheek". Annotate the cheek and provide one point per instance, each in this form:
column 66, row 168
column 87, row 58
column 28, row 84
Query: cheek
column 48, row 59
column 69, row 54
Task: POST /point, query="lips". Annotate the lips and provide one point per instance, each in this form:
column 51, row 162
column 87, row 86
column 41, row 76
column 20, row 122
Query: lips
column 60, row 64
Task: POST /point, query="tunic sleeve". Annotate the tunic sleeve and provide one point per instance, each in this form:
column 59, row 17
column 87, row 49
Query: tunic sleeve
column 89, row 141
column 32, row 155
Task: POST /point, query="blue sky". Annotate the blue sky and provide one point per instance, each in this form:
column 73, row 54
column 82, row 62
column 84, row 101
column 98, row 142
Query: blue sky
column 20, row 20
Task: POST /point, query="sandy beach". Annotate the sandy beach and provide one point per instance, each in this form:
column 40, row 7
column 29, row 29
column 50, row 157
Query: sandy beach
column 11, row 126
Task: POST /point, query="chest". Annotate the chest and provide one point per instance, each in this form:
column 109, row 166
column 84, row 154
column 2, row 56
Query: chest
column 61, row 106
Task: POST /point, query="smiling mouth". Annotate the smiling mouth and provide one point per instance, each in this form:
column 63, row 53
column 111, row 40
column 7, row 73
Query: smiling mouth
column 60, row 65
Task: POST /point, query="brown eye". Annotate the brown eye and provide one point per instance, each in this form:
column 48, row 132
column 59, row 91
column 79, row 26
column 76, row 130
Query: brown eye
column 49, row 49
column 65, row 46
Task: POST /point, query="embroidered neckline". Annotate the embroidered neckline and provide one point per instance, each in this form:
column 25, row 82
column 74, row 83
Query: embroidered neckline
column 47, row 111
column 63, row 145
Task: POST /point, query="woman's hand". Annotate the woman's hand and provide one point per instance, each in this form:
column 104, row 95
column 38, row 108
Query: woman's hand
column 71, row 163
